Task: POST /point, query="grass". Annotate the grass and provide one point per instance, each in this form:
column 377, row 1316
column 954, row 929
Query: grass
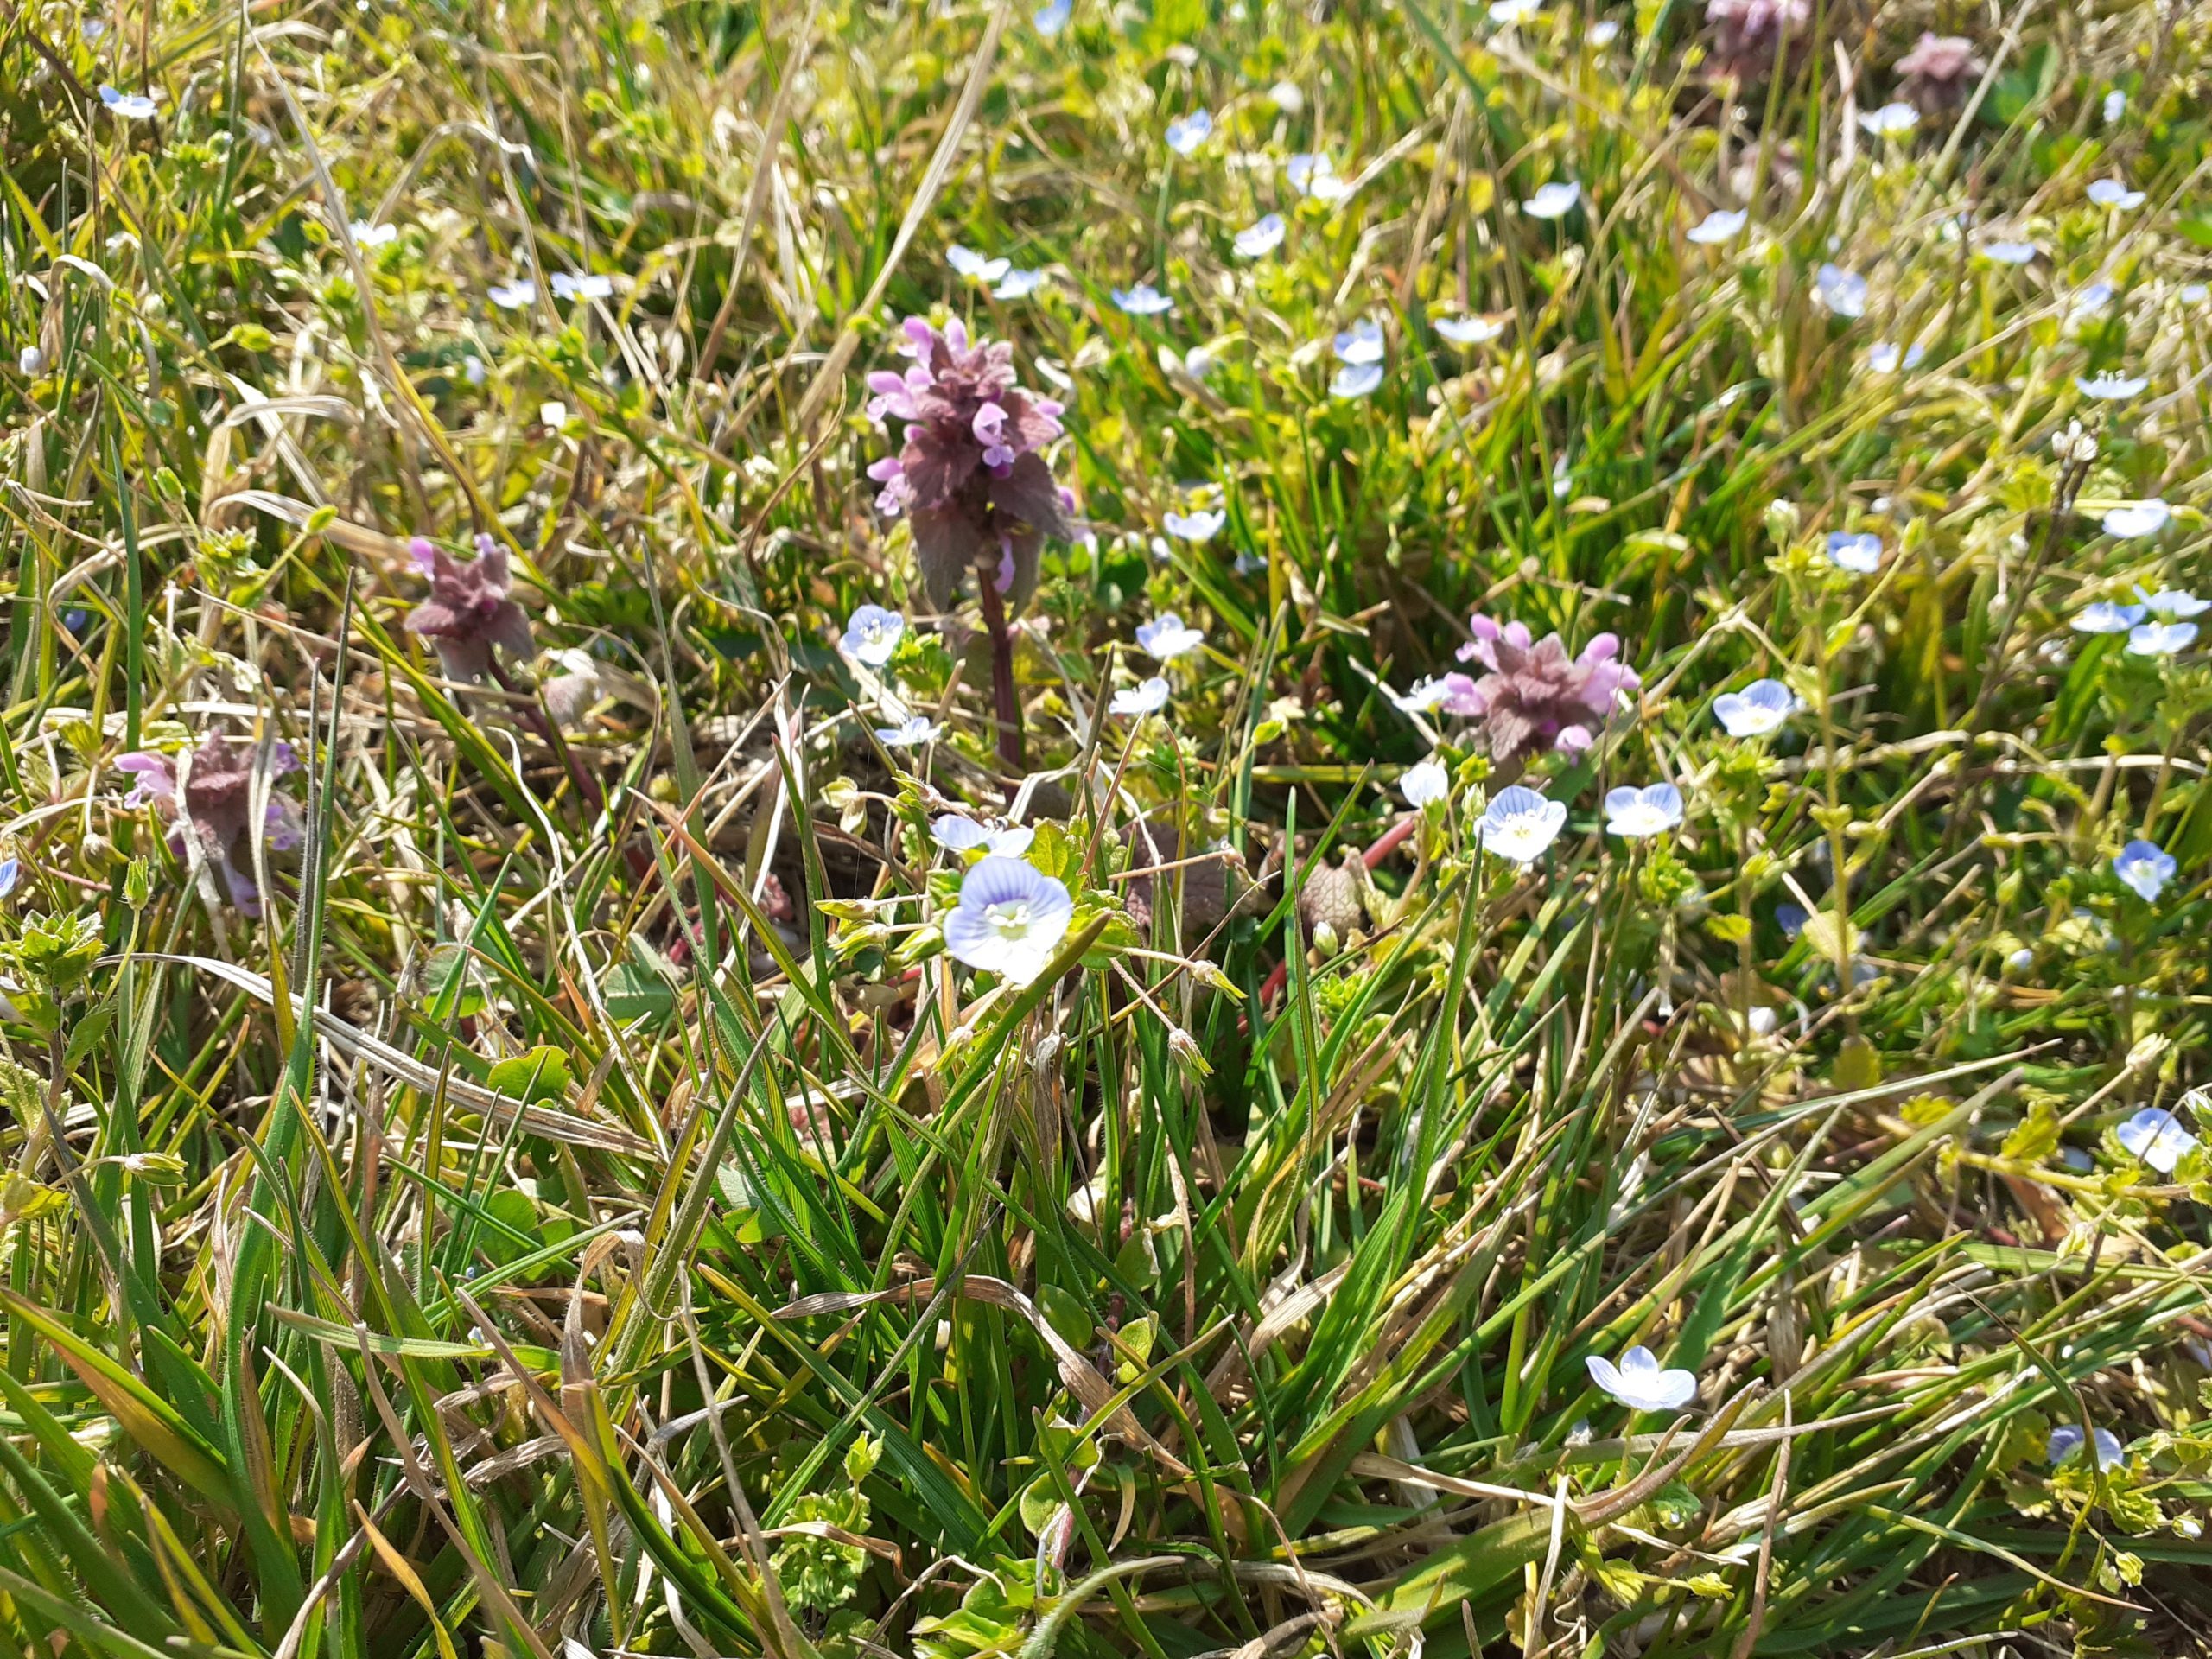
column 589, row 1213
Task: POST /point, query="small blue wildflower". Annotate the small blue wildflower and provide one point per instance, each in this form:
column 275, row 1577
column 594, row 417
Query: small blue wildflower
column 2146, row 867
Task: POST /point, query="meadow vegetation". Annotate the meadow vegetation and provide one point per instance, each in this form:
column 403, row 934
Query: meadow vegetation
column 1176, row 827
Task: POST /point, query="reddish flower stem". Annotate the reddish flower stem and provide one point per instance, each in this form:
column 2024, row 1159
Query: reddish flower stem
column 1008, row 707
column 1382, row 846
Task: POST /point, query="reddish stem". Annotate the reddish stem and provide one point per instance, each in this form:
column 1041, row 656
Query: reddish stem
column 1382, row 846
column 1008, row 707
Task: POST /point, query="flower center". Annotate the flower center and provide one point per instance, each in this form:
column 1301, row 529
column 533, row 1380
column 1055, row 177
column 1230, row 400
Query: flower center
column 1010, row 918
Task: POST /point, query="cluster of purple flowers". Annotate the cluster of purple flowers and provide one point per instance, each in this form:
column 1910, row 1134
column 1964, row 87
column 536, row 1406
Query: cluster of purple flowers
column 967, row 476
column 469, row 610
column 1535, row 697
column 209, row 808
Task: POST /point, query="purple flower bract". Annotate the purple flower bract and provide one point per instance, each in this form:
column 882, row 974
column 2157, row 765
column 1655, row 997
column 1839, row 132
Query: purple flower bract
column 468, row 612
column 1535, row 697
column 968, row 474
column 216, row 811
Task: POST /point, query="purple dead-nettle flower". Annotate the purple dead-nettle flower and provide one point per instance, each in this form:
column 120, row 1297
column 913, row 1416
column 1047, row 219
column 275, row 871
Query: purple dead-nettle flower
column 2115, row 194
column 1263, row 236
column 1361, row 343
column 1534, row 696
column 1936, row 74
column 969, row 475
column 1184, row 136
column 1166, row 636
column 872, row 634
column 468, row 614
column 1748, row 35
column 2106, row 617
column 2011, row 253
column 210, row 812
column 1721, row 224
column 2131, row 519
column 1843, row 292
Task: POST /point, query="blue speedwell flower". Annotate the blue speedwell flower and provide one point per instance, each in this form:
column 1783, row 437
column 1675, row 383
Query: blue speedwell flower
column 129, row 106
column 1010, row 918
column 2130, row 519
column 1553, row 200
column 1184, row 136
column 2155, row 1136
column 1263, row 236
column 1135, row 702
column 512, row 296
column 2111, row 388
column 1886, row 357
column 2105, row 617
column 872, row 634
column 1361, row 343
column 1422, row 784
column 1470, row 331
column 2010, row 253
column 2112, row 192
column 2173, row 602
column 1857, row 551
column 1758, row 709
column 1052, row 18
column 580, row 285
column 1018, row 284
column 1890, row 121
column 2145, row 866
column 959, row 835
column 2161, row 638
column 1641, row 1383
column 1142, row 301
column 1519, row 824
column 1356, row 380
column 2067, row 1438
column 1843, row 292
column 974, row 266
column 1166, row 636
column 1721, row 224
column 1314, row 177
column 911, row 733
column 1200, row 526
column 1634, row 814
